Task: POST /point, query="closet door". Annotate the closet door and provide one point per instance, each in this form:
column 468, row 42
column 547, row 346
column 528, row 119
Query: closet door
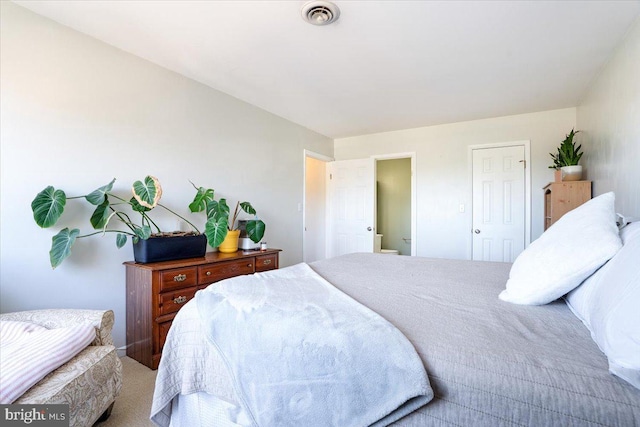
column 498, row 203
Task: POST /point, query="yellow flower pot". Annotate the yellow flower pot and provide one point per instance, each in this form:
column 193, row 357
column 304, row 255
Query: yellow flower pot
column 230, row 243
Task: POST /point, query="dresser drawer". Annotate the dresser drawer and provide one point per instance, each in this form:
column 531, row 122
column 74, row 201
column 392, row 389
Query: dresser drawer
column 178, row 278
column 170, row 302
column 223, row 270
column 266, row 262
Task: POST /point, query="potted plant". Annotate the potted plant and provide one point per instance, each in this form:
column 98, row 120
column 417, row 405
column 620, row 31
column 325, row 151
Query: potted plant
column 221, row 228
column 567, row 158
column 48, row 206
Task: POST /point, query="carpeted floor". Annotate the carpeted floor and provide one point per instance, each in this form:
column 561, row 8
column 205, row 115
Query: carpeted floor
column 133, row 406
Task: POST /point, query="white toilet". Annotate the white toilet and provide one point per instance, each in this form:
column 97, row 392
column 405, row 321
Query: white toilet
column 377, row 246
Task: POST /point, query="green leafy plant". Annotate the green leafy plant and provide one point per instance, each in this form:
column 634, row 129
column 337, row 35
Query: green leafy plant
column 568, row 154
column 219, row 220
column 49, row 204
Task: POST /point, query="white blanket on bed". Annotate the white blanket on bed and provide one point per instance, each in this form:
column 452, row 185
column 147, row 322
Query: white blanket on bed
column 300, row 352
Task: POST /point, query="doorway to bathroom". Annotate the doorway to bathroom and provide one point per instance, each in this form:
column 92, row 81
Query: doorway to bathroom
column 394, row 204
column 352, row 205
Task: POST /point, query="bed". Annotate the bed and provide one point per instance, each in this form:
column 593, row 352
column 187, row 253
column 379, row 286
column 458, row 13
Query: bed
column 489, row 362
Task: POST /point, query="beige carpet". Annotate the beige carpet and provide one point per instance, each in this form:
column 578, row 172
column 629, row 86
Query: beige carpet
column 133, row 406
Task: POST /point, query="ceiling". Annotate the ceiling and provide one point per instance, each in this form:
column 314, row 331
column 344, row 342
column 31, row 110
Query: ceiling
column 384, row 65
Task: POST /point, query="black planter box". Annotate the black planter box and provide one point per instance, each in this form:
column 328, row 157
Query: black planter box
column 156, row 249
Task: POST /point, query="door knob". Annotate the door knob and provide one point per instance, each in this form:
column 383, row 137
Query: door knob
column 368, row 228
column 476, row 231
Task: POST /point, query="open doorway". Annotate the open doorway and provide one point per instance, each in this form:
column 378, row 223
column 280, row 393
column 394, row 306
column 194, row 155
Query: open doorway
column 315, row 211
column 393, row 206
column 395, row 201
column 351, row 205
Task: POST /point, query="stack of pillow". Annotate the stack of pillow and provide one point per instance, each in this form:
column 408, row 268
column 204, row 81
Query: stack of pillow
column 585, row 255
column 608, row 303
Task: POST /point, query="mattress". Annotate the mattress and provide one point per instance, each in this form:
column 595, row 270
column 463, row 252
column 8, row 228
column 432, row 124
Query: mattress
column 489, row 362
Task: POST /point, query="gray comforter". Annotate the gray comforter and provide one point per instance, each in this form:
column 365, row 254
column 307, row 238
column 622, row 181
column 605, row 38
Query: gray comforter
column 490, row 363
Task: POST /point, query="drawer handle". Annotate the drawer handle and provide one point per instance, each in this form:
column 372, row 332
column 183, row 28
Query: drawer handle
column 266, row 262
column 180, row 278
column 249, row 265
column 180, row 300
column 208, row 273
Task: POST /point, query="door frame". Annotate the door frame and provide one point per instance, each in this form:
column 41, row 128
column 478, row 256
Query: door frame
column 308, row 153
column 527, row 187
column 406, row 155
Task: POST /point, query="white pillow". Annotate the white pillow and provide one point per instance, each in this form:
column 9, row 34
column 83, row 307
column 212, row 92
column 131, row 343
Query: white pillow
column 608, row 303
column 30, row 352
column 566, row 254
column 582, row 299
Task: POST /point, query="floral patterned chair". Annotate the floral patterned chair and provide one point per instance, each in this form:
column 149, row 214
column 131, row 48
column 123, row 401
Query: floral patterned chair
column 91, row 380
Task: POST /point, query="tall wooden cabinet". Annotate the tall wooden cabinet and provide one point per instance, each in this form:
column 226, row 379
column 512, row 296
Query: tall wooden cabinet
column 156, row 291
column 561, row 197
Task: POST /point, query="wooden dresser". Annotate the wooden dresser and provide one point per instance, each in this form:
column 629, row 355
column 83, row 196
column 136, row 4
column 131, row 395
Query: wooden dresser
column 156, row 291
column 561, row 197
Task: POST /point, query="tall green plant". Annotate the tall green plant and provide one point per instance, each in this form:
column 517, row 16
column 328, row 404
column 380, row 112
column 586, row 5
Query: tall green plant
column 219, row 220
column 49, row 205
column 568, row 154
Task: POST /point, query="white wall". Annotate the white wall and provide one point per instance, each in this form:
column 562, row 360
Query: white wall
column 443, row 173
column 609, row 121
column 76, row 113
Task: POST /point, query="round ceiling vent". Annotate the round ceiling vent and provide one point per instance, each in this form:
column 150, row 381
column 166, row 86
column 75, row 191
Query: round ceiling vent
column 320, row 12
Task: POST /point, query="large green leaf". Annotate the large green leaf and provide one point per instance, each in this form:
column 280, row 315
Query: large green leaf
column 147, row 192
column 212, row 209
column 61, row 245
column 255, row 230
column 48, row 206
column 217, row 209
column 246, row 206
column 121, row 239
column 216, row 230
column 203, row 196
column 97, row 197
column 101, row 215
column 137, row 206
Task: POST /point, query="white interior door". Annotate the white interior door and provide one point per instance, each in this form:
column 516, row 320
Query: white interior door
column 498, row 203
column 350, row 201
